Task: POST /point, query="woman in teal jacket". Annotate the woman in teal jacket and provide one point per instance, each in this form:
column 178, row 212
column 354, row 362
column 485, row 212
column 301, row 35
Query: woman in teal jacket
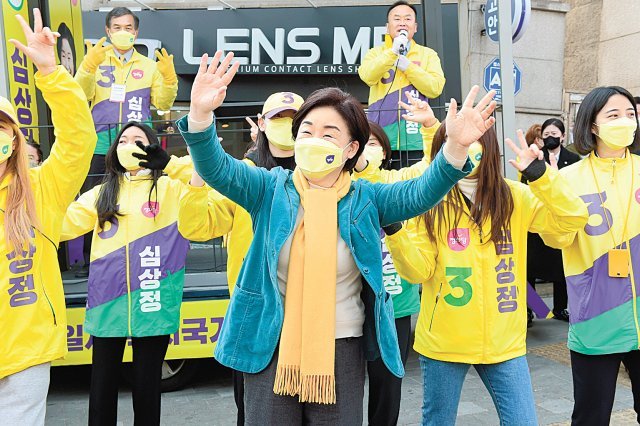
column 311, row 284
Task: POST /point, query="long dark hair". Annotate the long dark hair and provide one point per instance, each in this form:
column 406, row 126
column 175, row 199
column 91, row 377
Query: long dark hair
column 584, row 139
column 107, row 202
column 262, row 154
column 378, row 132
column 493, row 199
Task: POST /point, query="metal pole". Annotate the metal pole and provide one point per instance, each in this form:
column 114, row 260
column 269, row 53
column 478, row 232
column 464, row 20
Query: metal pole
column 507, row 81
column 432, row 31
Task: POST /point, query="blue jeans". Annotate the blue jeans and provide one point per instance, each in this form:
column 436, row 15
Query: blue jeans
column 508, row 383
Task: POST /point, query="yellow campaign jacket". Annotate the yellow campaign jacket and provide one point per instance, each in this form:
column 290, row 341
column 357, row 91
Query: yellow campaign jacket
column 32, row 307
column 605, row 310
column 226, row 218
column 474, row 303
column 138, row 259
column 144, row 87
column 423, row 78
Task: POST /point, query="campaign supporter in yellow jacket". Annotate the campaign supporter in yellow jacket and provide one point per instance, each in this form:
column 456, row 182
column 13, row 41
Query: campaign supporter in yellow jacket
column 388, row 84
column 469, row 280
column 148, row 240
column 32, row 306
column 605, row 315
column 145, row 86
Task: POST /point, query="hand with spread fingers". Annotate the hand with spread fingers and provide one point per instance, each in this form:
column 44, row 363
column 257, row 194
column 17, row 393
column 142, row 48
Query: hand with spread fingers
column 466, row 126
column 40, row 42
column 95, row 55
column 165, row 66
column 210, row 85
column 419, row 111
column 154, row 157
column 525, row 155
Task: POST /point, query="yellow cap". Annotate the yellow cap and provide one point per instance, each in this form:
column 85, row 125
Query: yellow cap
column 7, row 110
column 281, row 101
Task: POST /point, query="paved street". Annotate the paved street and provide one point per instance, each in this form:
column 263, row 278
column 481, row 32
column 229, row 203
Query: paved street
column 209, row 400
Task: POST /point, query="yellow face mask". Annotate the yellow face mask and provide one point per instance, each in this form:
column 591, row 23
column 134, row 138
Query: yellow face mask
column 316, row 157
column 374, row 155
column 279, row 132
column 125, row 156
column 6, row 146
column 618, row 133
column 475, row 155
column 122, row 40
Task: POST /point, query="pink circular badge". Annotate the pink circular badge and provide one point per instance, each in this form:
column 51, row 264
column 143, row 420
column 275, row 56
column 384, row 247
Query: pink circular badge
column 458, row 239
column 150, row 209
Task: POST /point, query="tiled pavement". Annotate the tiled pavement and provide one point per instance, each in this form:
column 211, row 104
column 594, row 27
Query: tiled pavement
column 209, row 400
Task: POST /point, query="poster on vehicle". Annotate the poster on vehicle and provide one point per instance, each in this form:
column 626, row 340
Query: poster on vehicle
column 197, row 335
column 65, row 17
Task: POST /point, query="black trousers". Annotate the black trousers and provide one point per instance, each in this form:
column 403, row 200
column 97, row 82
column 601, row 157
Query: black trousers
column 148, row 355
column 594, row 385
column 385, row 389
column 238, row 394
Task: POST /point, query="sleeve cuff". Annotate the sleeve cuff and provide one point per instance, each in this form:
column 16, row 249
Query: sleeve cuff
column 198, row 126
column 455, row 162
column 535, row 170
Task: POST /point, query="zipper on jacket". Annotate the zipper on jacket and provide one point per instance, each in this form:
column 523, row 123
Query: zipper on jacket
column 126, row 254
column 46, row 296
column 433, row 313
column 613, row 171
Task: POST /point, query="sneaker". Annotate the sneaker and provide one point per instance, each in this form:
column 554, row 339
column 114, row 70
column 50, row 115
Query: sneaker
column 562, row 315
column 529, row 318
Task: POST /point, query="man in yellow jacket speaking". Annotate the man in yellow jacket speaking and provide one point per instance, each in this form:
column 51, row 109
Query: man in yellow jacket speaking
column 397, row 66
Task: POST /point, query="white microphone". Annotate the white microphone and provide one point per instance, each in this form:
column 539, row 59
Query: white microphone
column 403, row 46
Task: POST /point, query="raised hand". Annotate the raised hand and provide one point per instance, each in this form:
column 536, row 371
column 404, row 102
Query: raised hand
column 210, row 85
column 553, row 161
column 154, row 157
column 40, row 42
column 165, row 66
column 525, row 155
column 420, row 111
column 470, row 123
column 95, row 55
column 254, row 128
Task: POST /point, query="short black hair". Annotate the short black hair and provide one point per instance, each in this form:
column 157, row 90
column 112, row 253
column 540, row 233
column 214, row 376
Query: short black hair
column 348, row 107
column 118, row 12
column 36, row 146
column 402, row 3
column 552, row 122
column 637, row 99
column 584, row 139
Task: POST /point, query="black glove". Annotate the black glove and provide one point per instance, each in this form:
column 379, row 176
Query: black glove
column 393, row 228
column 154, row 157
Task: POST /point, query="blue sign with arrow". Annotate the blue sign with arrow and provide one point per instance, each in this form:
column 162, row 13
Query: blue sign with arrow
column 492, row 81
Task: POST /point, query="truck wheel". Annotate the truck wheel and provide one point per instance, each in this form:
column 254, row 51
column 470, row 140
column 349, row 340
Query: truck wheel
column 177, row 373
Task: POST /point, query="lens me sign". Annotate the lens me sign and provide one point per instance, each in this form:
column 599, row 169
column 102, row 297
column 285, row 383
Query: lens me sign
column 265, row 41
column 297, row 51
